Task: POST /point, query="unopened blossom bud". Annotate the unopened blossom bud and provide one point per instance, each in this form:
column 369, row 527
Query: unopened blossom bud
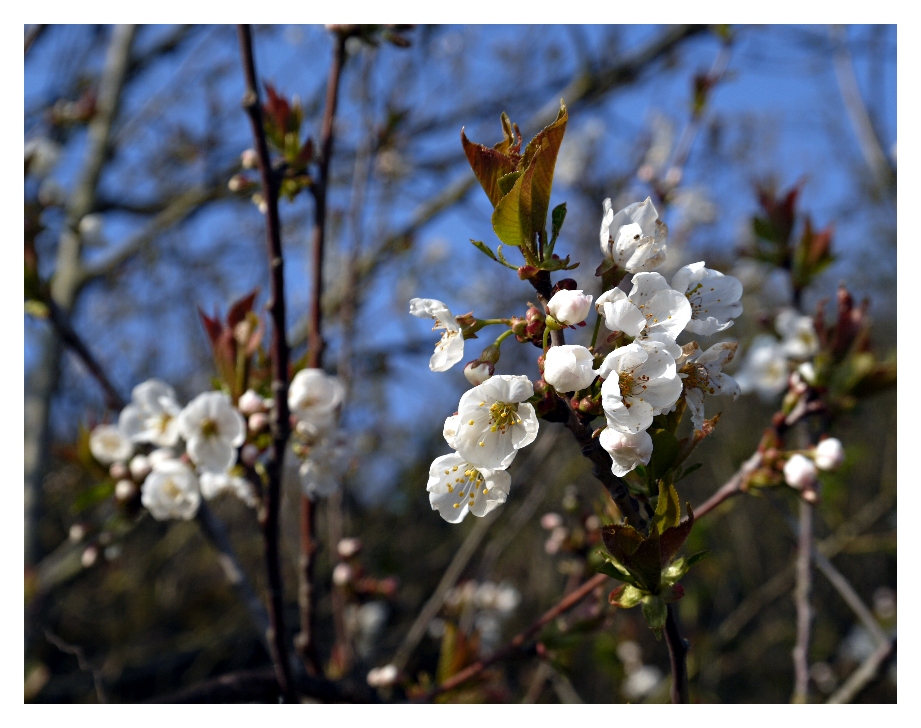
column 248, row 454
column 140, row 467
column 569, row 368
column 627, row 450
column 160, row 455
column 829, row 454
column 800, row 472
column 237, row 183
column 478, row 371
column 549, row 521
column 592, row 523
column 342, row 574
column 382, row 677
column 348, row 547
column 258, row 421
column 569, row 307
column 249, row 159
column 250, row 403
column 118, row 470
column 125, row 490
column 76, row 533
column 90, row 554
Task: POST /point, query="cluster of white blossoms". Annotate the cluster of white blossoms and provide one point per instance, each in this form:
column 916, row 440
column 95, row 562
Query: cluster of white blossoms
column 144, row 448
column 769, row 361
column 643, row 377
column 314, row 398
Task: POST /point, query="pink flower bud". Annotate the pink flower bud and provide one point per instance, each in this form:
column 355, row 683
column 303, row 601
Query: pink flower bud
column 258, row 422
column 125, row 490
column 800, row 472
column 250, row 403
column 118, row 470
column 90, row 554
column 829, row 454
column 348, row 547
column 342, row 574
column 382, row 677
column 249, row 159
column 549, row 521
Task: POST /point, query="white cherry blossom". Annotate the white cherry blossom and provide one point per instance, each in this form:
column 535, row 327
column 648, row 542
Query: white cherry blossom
column 322, row 471
column 765, row 369
column 650, row 308
column 212, row 430
column 213, row 484
column 109, row 445
column 456, row 487
column 450, row 349
column 800, row 340
column 714, row 298
column 152, row 415
column 171, row 491
column 313, row 397
column 701, row 372
column 494, row 421
column 641, row 381
column 569, row 368
column 450, row 429
column 569, row 307
column 634, row 238
column 627, row 450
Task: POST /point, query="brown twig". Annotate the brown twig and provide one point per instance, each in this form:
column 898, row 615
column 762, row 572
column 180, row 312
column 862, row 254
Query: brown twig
column 32, row 35
column 731, row 487
column 305, row 643
column 801, row 596
column 82, row 662
column 678, row 656
column 517, row 642
column 281, row 425
column 863, row 675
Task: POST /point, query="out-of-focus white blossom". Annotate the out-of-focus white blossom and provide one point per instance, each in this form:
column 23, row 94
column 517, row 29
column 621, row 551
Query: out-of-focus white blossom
column 495, row 421
column 456, row 488
column 118, row 470
column 348, row 547
column 569, row 307
column 627, row 450
column 42, row 155
column 152, row 415
column 714, row 298
column 634, row 238
column 90, row 228
column 108, row 444
column 650, row 308
column 213, row 484
column 313, row 398
column 450, row 348
column 213, row 430
column 140, row 467
column 640, row 382
column 342, row 574
column 800, row 472
column 800, row 340
column 171, row 491
column 569, row 368
column 765, row 369
column 125, row 490
column 160, row 455
column 250, row 403
column 829, row 454
column 549, row 521
column 323, row 469
column 382, row 677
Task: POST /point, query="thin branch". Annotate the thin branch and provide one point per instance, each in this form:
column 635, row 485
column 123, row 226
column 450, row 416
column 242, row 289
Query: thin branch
column 864, row 674
column 731, row 487
column 305, row 643
column 32, row 35
column 801, row 597
column 82, row 662
column 847, row 592
column 281, row 425
column 678, row 656
column 521, row 639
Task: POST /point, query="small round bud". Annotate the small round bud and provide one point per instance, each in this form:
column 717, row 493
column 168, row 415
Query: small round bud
column 248, row 454
column 478, row 371
column 76, row 533
column 569, row 307
column 118, row 470
column 342, row 574
column 139, row 467
column 382, row 677
column 237, row 183
column 250, row 403
column 258, row 422
column 829, row 454
column 800, row 472
column 249, row 159
column 125, row 490
column 348, row 547
column 549, row 521
column 90, row 554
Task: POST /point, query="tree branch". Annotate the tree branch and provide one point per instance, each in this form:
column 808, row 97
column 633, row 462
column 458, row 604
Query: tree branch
column 281, row 425
column 678, row 657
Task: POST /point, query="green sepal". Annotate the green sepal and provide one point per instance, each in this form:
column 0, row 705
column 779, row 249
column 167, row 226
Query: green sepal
column 655, row 612
column 626, row 596
column 668, row 509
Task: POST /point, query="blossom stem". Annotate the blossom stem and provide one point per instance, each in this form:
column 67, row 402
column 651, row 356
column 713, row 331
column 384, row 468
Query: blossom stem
column 502, row 337
column 281, row 426
column 305, row 643
column 595, row 332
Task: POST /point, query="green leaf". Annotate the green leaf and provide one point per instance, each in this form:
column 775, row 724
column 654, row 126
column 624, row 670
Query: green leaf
column 506, row 182
column 488, row 165
column 765, row 230
column 664, row 453
column 511, row 219
column 655, row 613
column 626, row 597
column 668, row 510
column 557, row 217
column 690, row 469
column 503, row 260
column 673, row 538
column 540, row 158
column 480, row 245
column 699, row 556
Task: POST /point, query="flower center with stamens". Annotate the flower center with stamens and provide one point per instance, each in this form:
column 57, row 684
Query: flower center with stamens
column 467, row 485
column 208, row 428
column 171, row 489
column 503, row 415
